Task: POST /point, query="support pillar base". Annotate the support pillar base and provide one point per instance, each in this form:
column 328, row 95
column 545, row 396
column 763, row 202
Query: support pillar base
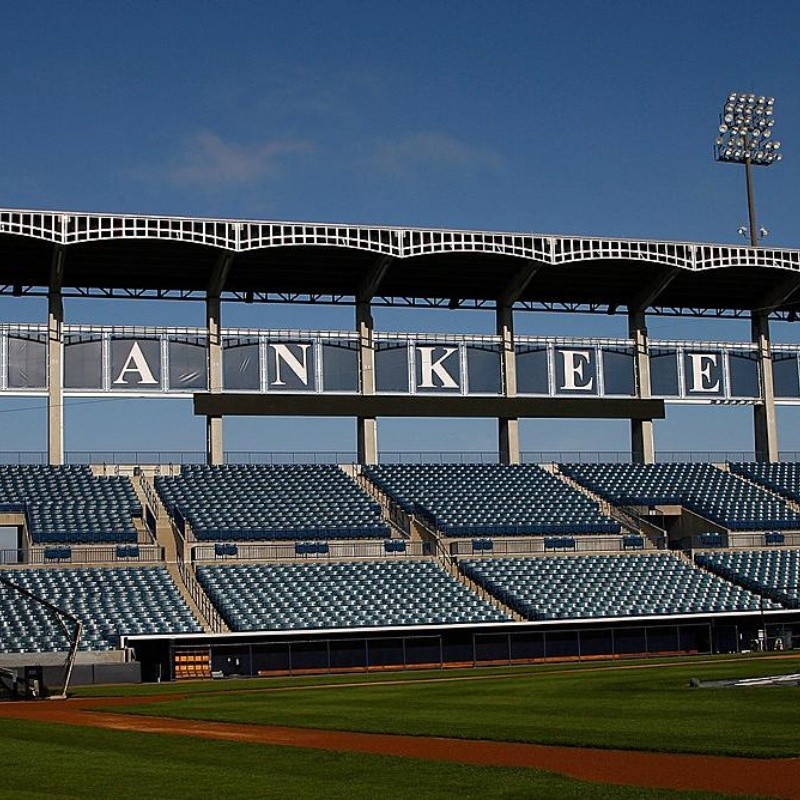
column 367, row 435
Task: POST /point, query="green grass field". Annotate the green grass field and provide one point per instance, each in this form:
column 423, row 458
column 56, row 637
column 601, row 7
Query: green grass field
column 51, row 761
column 649, row 706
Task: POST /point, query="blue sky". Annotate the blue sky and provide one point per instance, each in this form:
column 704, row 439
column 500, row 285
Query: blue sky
column 572, row 117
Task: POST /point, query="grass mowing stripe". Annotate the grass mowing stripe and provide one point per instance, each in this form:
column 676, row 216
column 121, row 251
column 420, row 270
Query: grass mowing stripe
column 69, row 763
column 467, row 674
column 649, row 709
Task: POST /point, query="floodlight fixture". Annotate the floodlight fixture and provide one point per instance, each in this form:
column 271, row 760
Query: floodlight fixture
column 743, row 230
column 745, row 137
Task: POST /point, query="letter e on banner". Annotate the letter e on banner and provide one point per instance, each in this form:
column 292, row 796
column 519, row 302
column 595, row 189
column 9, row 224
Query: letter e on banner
column 705, row 372
column 575, row 363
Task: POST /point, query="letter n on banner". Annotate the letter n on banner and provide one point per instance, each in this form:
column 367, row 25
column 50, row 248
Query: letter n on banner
column 291, row 366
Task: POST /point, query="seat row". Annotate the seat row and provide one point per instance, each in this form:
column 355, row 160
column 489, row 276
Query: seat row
column 720, row 496
column 488, row 499
column 69, row 505
column 269, row 502
column 781, row 477
column 110, row 602
column 771, row 573
column 341, row 595
column 606, row 586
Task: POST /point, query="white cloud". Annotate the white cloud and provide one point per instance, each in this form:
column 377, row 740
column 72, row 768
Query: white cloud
column 209, row 161
column 432, row 150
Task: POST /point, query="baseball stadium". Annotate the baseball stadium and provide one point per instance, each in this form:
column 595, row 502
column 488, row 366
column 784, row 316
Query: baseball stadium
column 389, row 625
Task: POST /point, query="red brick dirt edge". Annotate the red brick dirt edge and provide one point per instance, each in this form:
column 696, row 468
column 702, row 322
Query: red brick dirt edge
column 779, row 778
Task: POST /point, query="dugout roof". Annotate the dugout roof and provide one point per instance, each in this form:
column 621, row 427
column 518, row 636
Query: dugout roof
column 179, row 257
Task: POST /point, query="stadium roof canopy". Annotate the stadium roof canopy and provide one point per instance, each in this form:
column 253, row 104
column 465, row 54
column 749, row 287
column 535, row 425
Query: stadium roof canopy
column 118, row 255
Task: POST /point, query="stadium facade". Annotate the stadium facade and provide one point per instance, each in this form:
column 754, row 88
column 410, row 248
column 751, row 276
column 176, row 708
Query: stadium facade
column 60, row 254
column 378, row 567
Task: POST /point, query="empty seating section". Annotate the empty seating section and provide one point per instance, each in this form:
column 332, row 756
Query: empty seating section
column 603, row 586
column 773, row 573
column 491, row 499
column 781, row 477
column 108, row 601
column 341, row 595
column 719, row 496
column 70, row 505
column 269, row 502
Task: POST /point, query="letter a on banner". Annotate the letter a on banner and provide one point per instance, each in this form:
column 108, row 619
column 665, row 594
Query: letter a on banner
column 429, row 368
column 575, row 362
column 137, row 364
column 283, row 355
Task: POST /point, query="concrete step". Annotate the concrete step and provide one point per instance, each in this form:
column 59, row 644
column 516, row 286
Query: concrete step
column 206, row 616
column 399, row 522
column 449, row 564
column 630, row 522
column 166, row 534
column 167, row 537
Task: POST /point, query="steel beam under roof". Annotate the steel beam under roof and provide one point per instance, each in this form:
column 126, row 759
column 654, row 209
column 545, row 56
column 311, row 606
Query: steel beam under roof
column 119, row 255
column 321, row 405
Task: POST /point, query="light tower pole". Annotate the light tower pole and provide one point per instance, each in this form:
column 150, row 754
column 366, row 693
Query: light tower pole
column 745, row 137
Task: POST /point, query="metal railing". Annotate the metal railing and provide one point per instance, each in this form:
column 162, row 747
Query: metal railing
column 81, row 554
column 447, row 558
column 266, row 551
column 152, row 498
column 757, row 540
column 534, row 545
column 174, row 458
column 655, row 533
column 200, row 598
column 396, row 517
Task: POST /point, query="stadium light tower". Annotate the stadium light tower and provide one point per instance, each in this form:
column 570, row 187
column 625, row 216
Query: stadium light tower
column 745, row 137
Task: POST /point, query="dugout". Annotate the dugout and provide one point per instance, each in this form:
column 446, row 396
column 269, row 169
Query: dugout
column 254, row 654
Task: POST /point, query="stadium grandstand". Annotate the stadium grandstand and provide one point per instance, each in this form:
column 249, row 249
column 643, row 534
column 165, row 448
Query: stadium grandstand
column 192, row 570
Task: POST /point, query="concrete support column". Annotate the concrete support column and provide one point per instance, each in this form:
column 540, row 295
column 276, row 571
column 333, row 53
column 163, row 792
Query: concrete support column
column 214, row 449
column 366, row 427
column 55, row 378
column 765, row 423
column 642, row 442
column 508, row 429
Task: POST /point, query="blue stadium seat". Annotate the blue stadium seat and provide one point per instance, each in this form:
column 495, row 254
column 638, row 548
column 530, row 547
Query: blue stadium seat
column 69, row 505
column 719, row 496
column 479, row 500
column 109, row 601
column 773, row 574
column 341, row 594
column 606, row 586
column 271, row 503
